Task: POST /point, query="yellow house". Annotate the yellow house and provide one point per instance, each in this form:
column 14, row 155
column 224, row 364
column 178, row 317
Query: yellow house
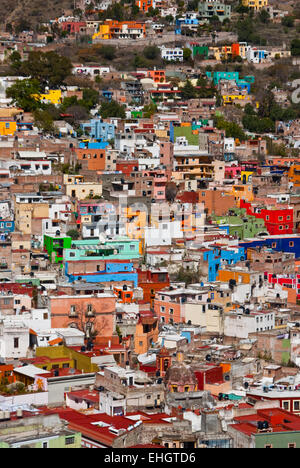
column 243, row 47
column 73, row 179
column 242, row 192
column 84, row 190
column 8, row 127
column 136, row 221
column 25, row 213
column 60, row 355
column 236, row 99
column 255, row 4
column 246, row 176
column 222, row 52
column 212, row 319
column 103, row 33
column 54, row 96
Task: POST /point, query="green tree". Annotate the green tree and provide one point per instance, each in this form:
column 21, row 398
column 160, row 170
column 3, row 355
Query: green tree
column 44, row 121
column 295, row 47
column 90, row 98
column 108, row 52
column 15, row 60
column 287, row 21
column 22, row 93
column 249, row 109
column 187, row 54
column 73, row 233
column 112, row 109
column 151, row 52
column 264, row 16
column 49, row 68
column 188, row 91
column 135, row 10
column 149, row 110
column 232, row 129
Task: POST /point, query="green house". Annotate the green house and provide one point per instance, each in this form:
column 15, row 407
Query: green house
column 55, row 247
column 38, row 431
column 119, row 249
column 240, row 225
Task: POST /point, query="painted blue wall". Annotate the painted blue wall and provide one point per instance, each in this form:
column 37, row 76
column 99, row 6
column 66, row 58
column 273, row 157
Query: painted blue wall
column 279, row 244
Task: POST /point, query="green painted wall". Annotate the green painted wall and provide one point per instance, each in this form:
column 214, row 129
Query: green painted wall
column 277, row 439
column 53, row 244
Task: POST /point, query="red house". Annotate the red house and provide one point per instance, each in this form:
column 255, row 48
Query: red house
column 73, row 27
column 209, row 375
column 151, row 282
column 127, row 167
column 277, row 220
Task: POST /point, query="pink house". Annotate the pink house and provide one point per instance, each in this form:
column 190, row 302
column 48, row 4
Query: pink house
column 233, row 172
column 74, row 27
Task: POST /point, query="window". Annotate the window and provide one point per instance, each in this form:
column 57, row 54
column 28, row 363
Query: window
column 45, row 445
column 297, row 405
column 286, row 405
column 291, row 244
column 16, row 343
column 70, row 440
column 171, row 311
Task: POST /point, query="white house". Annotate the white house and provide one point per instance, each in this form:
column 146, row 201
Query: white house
column 240, row 323
column 172, row 54
column 163, row 234
column 14, row 339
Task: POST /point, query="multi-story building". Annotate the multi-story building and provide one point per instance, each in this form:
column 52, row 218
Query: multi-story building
column 256, row 5
column 170, row 54
column 212, row 8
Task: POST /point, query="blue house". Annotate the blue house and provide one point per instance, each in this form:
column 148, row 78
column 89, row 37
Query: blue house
column 224, row 75
column 99, row 130
column 289, row 244
column 217, row 256
column 188, row 20
column 113, row 272
column 93, row 144
column 6, row 226
column 107, row 95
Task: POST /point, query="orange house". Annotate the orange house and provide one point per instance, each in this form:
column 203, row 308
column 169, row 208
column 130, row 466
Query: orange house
column 125, row 296
column 294, row 175
column 151, row 282
column 94, row 159
column 239, row 276
column 146, row 333
column 144, row 5
column 158, row 76
column 6, row 374
column 88, row 313
column 169, row 310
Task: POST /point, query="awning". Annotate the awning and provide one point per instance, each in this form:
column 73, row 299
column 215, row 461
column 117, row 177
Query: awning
column 55, row 341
